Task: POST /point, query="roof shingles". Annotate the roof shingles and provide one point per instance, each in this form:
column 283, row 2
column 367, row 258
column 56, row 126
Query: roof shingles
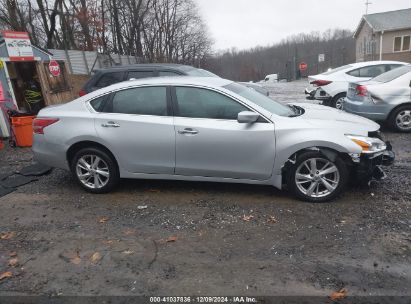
column 388, row 21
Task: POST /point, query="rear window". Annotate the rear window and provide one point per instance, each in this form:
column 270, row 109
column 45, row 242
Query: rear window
column 200, row 73
column 168, row 73
column 337, row 69
column 109, row 78
column 393, row 74
column 140, row 74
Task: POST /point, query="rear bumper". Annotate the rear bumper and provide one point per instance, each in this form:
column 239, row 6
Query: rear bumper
column 310, row 92
column 316, row 93
column 50, row 154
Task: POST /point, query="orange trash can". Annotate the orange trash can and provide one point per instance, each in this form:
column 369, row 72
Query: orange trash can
column 23, row 130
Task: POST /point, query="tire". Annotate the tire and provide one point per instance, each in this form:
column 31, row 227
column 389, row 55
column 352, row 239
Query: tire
column 337, row 101
column 400, row 119
column 301, row 184
column 98, row 169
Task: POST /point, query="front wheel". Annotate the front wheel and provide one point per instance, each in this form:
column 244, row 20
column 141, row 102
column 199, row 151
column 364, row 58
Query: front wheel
column 315, row 178
column 95, row 170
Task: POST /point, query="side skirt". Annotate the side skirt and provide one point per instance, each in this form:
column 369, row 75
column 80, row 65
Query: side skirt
column 275, row 180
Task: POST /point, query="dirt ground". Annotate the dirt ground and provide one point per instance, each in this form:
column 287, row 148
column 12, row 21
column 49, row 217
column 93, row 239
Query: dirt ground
column 186, row 238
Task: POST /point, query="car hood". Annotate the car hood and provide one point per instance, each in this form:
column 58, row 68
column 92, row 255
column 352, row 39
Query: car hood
column 327, row 117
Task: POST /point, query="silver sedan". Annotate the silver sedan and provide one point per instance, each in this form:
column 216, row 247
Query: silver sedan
column 386, row 97
column 207, row 129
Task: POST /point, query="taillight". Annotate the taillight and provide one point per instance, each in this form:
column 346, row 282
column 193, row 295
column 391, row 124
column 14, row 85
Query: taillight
column 82, row 92
column 361, row 90
column 40, row 123
column 320, row 83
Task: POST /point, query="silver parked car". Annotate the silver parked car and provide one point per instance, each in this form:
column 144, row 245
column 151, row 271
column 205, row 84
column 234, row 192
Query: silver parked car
column 386, row 97
column 331, row 87
column 207, row 129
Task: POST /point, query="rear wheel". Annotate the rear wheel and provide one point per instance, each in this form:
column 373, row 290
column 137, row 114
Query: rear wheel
column 315, row 178
column 338, row 101
column 95, row 170
column 400, row 119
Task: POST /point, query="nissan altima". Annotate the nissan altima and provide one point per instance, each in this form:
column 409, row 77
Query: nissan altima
column 207, row 129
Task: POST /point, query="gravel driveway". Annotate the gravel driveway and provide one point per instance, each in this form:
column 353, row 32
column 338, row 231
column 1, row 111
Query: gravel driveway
column 187, row 238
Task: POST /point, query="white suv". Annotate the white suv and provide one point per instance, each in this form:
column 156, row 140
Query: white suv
column 331, row 87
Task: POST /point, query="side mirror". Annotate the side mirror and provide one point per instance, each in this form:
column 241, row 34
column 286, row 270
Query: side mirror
column 410, row 83
column 247, row 117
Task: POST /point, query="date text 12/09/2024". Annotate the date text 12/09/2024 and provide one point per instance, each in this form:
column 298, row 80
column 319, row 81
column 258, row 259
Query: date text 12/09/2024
column 200, row 299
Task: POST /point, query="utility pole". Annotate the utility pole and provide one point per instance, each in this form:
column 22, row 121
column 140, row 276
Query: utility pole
column 367, row 3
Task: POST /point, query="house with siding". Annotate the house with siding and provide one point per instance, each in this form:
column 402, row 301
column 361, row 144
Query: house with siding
column 384, row 36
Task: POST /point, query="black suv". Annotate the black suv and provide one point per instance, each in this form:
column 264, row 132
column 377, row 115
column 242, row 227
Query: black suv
column 105, row 77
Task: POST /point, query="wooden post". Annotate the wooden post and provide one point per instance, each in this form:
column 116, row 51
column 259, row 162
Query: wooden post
column 68, row 60
column 85, row 62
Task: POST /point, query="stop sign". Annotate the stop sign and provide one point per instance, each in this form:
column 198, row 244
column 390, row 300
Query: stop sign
column 54, row 68
column 303, row 66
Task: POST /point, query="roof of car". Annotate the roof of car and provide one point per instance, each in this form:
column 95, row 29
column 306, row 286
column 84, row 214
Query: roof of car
column 188, row 80
column 180, row 67
column 366, row 63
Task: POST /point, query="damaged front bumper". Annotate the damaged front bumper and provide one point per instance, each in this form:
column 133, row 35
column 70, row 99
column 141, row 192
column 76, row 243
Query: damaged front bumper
column 368, row 167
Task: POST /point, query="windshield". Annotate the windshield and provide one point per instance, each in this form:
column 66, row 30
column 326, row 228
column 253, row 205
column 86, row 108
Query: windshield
column 260, row 99
column 337, row 69
column 393, row 74
column 200, row 73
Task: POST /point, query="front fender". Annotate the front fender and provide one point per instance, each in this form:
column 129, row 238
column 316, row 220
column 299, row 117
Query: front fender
column 291, row 141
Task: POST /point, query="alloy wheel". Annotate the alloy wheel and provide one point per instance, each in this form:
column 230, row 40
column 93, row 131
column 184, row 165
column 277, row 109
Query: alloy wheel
column 92, row 171
column 403, row 120
column 317, row 177
column 339, row 104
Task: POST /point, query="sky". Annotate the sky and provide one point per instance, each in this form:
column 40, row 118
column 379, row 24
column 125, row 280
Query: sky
column 248, row 23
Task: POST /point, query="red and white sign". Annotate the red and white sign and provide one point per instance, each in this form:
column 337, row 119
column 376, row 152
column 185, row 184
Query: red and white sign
column 303, row 66
column 18, row 46
column 54, row 68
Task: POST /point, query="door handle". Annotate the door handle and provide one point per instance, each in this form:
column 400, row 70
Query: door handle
column 188, row 131
column 110, row 124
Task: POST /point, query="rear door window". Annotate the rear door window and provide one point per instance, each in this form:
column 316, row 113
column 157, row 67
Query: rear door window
column 372, row 71
column 368, row 71
column 109, row 78
column 140, row 74
column 354, row 73
column 98, row 103
column 141, row 101
column 390, row 67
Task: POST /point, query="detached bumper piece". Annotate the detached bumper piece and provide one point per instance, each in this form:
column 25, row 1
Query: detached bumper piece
column 310, row 93
column 370, row 165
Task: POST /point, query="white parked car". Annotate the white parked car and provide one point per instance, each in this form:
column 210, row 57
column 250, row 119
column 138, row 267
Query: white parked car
column 331, row 87
column 271, row 78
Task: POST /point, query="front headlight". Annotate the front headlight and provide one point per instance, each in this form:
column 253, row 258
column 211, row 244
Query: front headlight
column 368, row 144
